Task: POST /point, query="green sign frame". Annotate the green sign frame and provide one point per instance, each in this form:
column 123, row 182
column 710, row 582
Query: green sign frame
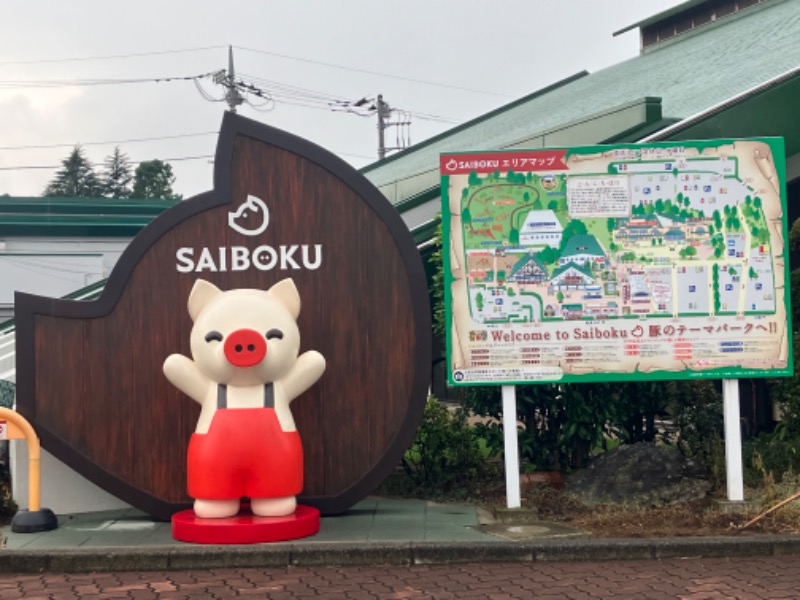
column 626, row 262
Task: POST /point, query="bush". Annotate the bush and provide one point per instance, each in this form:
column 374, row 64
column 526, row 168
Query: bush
column 561, row 424
column 773, row 455
column 7, row 393
column 447, row 451
column 8, row 508
column 696, row 408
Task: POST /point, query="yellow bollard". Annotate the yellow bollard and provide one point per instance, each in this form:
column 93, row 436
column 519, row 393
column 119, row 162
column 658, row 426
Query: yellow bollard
column 14, row 426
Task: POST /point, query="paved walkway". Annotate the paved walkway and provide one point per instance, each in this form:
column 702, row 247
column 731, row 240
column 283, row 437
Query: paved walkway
column 371, row 520
column 700, row 579
column 374, row 532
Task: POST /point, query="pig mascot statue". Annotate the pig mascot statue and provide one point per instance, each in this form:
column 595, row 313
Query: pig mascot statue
column 244, row 372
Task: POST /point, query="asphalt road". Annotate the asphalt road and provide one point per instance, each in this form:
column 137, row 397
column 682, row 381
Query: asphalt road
column 687, row 579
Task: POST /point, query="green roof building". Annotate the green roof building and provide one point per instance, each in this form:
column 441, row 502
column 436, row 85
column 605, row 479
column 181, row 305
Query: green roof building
column 55, row 246
column 706, row 69
column 528, row 269
column 572, row 275
column 582, row 248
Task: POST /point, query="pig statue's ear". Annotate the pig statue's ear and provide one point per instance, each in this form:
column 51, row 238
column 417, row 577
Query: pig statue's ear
column 201, row 293
column 287, row 293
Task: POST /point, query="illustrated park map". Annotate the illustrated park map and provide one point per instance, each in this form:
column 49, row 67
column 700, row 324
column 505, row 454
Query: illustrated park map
column 629, row 262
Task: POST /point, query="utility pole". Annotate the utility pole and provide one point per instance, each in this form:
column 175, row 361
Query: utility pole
column 232, row 95
column 236, row 92
column 384, row 112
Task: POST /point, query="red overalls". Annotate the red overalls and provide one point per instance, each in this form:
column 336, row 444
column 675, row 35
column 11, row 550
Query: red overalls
column 245, row 453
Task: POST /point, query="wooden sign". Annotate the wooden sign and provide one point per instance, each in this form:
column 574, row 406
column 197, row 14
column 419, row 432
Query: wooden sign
column 89, row 373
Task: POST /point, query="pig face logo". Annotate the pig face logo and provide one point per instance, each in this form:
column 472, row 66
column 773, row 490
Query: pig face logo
column 251, row 218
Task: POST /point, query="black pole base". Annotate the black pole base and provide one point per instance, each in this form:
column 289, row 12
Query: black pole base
column 26, row 521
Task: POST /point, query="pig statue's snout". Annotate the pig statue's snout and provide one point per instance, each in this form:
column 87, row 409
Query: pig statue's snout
column 245, row 348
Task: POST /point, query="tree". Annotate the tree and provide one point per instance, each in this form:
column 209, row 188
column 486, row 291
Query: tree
column 574, row 227
column 154, row 179
column 548, row 255
column 689, row 251
column 117, row 177
column 75, row 179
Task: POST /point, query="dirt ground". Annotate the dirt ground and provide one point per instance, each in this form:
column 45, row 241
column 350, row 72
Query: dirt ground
column 700, row 518
column 705, row 517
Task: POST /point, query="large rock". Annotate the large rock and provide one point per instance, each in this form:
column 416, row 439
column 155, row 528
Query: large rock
column 642, row 475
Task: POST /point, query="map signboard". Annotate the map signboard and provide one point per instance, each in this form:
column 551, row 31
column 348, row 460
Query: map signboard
column 617, row 263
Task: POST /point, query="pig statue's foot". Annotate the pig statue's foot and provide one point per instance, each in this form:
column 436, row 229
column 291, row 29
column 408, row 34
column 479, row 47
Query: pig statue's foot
column 273, row 507
column 216, row 509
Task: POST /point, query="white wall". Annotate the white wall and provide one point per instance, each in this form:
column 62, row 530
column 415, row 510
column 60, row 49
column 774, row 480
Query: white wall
column 53, row 267
column 63, row 490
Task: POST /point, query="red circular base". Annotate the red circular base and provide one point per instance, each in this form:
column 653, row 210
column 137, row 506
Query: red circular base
column 245, row 528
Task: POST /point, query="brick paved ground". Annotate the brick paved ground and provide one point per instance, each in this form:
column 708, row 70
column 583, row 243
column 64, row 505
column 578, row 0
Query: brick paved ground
column 687, row 579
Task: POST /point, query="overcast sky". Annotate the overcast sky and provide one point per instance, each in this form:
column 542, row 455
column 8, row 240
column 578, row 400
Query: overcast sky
column 444, row 61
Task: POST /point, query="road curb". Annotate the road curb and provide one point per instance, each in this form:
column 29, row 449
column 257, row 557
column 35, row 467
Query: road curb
column 170, row 558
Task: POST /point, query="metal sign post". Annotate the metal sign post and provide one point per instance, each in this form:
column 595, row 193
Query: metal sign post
column 733, row 440
column 510, row 446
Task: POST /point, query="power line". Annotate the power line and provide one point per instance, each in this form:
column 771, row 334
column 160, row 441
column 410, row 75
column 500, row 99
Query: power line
column 52, row 83
column 266, row 52
column 168, row 159
column 288, row 94
column 29, row 167
column 368, row 72
column 107, row 57
column 51, row 167
column 298, row 96
column 110, row 142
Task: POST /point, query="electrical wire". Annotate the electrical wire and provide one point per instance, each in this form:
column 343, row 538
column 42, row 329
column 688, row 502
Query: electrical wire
column 51, row 167
column 286, row 93
column 168, row 159
column 254, row 50
column 54, row 83
column 303, row 97
column 110, row 142
column 368, row 72
column 108, row 57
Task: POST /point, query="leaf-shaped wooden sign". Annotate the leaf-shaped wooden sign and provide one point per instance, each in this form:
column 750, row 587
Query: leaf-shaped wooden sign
column 89, row 373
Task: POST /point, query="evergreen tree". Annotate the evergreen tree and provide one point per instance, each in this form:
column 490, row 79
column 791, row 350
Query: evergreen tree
column 75, row 179
column 154, row 179
column 117, row 177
